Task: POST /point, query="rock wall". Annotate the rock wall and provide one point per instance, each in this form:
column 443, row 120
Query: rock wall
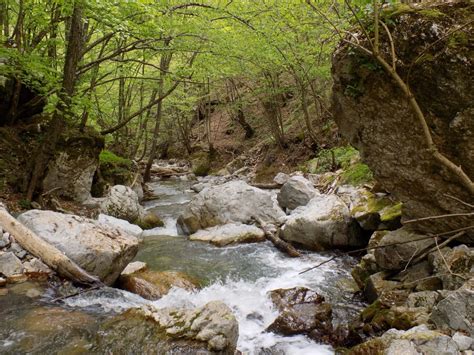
column 374, row 115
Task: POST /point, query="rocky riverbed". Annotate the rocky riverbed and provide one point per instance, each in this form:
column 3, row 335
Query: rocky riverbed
column 205, row 280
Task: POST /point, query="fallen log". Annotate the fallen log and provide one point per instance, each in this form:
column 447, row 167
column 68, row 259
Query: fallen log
column 48, row 253
column 271, row 234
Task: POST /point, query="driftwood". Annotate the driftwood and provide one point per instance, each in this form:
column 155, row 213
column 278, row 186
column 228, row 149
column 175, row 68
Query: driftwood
column 168, row 172
column 271, row 233
column 48, row 253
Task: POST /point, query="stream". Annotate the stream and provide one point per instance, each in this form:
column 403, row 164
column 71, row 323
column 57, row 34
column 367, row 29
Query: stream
column 240, row 276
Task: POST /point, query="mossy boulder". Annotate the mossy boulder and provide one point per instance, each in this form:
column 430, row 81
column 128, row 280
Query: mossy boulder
column 150, row 221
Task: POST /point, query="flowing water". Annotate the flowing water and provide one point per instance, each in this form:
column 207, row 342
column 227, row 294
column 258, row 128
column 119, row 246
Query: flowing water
column 240, row 276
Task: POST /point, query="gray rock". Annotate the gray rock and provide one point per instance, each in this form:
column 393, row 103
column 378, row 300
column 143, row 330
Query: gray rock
column 10, row 265
column 122, row 224
column 200, row 186
column 396, row 257
column 426, row 299
column 281, row 178
column 17, row 250
column 421, row 339
column 72, row 170
column 463, row 342
column 122, row 202
column 232, row 202
column 401, row 346
column 376, row 285
column 102, row 251
column 324, row 223
column 230, row 233
column 134, row 267
column 4, row 240
column 297, row 191
column 456, row 311
column 209, row 329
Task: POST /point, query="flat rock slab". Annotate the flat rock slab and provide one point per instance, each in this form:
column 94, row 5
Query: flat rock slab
column 230, row 233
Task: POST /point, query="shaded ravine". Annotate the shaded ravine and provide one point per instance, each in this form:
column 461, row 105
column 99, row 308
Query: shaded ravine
column 240, row 276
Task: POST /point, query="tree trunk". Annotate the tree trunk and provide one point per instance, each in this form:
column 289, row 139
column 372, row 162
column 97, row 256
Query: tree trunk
column 164, row 66
column 57, row 124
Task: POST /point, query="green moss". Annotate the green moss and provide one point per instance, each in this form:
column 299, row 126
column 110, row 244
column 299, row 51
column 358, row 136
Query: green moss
column 458, row 39
column 357, row 174
column 392, row 212
column 323, row 163
column 108, row 157
column 433, row 13
column 25, row 204
column 201, row 168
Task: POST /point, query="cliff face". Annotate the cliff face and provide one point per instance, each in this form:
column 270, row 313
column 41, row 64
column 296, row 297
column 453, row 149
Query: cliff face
column 373, row 114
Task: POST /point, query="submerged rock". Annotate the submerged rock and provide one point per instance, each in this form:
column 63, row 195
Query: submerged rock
column 152, row 285
column 211, row 329
column 302, row 311
column 296, row 191
column 101, row 251
column 324, row 223
column 232, row 202
column 230, row 233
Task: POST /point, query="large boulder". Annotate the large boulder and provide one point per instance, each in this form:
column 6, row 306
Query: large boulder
column 398, row 248
column 70, row 174
column 101, row 250
column 230, row 233
column 295, row 192
column 122, row 202
column 232, row 202
column 211, row 329
column 122, row 224
column 324, row 223
column 373, row 113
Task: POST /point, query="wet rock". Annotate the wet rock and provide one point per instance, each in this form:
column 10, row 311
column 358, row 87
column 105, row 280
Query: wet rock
column 361, row 272
column 413, row 274
column 456, row 311
column 417, row 340
column 211, row 329
column 9, row 264
column 152, row 285
column 150, row 220
column 324, row 223
column 297, row 191
column 122, row 224
column 230, row 233
column 377, row 284
column 102, row 251
column 459, row 260
column 122, row 202
column 231, row 202
column 302, row 311
column 36, row 266
column 397, row 256
column 281, row 178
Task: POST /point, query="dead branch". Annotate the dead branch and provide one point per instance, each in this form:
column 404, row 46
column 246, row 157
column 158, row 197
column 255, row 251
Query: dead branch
column 272, row 234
